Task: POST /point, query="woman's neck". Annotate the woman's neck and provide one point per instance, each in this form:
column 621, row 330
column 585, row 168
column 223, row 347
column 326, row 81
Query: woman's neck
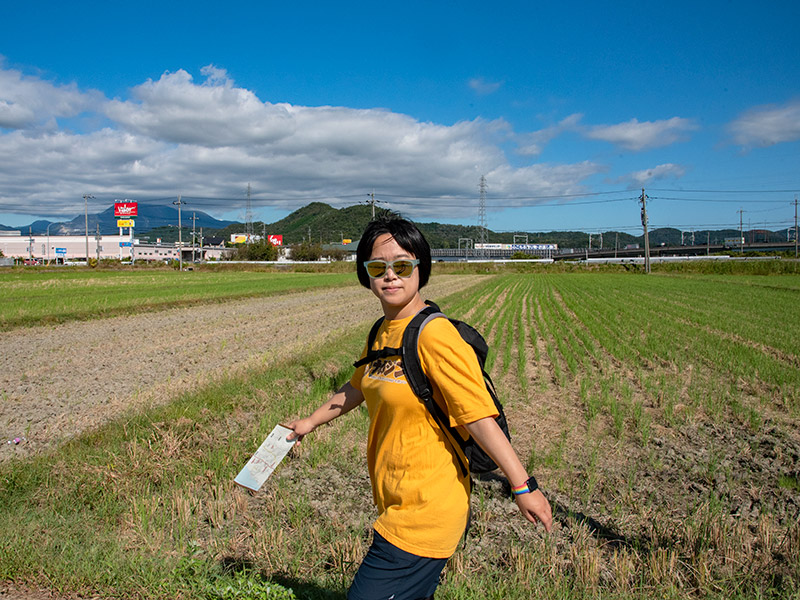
column 393, row 313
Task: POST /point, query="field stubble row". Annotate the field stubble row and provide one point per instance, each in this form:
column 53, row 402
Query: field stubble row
column 659, row 429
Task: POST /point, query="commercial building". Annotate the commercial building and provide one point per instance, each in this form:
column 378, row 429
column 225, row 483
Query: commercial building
column 61, row 248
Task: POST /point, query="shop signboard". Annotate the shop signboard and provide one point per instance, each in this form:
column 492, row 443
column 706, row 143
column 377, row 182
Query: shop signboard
column 126, row 209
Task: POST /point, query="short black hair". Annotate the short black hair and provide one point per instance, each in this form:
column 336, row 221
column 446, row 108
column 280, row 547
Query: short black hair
column 408, row 237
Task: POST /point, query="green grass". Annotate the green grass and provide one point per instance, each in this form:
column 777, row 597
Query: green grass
column 33, row 297
column 117, row 511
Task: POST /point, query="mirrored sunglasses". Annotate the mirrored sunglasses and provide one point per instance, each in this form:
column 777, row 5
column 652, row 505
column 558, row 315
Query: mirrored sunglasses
column 402, row 268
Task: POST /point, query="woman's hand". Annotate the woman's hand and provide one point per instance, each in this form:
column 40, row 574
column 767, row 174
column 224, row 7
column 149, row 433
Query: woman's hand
column 300, row 429
column 343, row 401
column 535, row 507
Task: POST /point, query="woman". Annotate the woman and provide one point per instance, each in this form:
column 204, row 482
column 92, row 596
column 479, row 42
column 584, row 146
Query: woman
column 421, row 494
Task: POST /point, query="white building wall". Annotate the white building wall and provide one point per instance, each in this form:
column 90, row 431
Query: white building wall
column 45, row 249
column 17, row 246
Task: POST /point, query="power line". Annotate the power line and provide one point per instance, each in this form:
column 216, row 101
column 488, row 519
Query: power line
column 475, row 202
column 718, row 200
column 726, row 191
column 763, row 210
column 333, row 195
column 548, row 197
column 655, row 225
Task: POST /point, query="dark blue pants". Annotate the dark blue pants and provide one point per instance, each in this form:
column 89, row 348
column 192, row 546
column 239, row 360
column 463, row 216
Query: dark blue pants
column 389, row 573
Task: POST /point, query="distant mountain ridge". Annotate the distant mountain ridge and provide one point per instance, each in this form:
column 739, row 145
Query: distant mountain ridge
column 320, row 222
column 150, row 216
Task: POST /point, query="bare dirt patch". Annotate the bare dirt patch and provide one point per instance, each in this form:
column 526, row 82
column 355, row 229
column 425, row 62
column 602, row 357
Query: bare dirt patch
column 9, row 591
column 58, row 381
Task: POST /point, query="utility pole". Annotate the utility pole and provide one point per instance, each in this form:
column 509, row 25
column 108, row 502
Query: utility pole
column 48, row 243
column 179, row 203
column 86, row 222
column 370, row 201
column 467, row 244
column 741, row 230
column 616, row 243
column 643, row 200
column 482, row 215
column 795, row 225
column 248, row 225
column 97, row 240
column 30, row 246
column 194, row 233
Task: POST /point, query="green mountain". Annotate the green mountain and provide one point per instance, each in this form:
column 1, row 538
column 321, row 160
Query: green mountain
column 322, row 223
column 317, row 222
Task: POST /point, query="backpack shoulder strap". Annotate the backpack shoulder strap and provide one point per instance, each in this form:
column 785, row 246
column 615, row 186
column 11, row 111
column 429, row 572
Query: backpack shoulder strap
column 375, row 354
column 412, row 365
column 419, row 382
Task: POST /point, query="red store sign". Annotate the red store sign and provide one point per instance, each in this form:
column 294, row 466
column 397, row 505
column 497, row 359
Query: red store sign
column 126, row 209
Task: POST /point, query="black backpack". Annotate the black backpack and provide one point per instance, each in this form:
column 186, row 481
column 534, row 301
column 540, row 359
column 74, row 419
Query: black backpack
column 479, row 461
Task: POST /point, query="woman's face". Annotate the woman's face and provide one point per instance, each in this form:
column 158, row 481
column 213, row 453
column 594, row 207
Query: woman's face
column 394, row 292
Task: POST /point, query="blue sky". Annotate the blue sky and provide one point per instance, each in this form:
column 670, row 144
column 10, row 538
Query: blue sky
column 568, row 110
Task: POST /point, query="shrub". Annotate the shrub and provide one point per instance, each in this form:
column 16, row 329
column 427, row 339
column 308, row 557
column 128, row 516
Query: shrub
column 336, row 254
column 306, row 251
column 260, row 250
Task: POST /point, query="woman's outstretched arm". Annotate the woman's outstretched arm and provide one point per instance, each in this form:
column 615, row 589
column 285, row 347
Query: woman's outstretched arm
column 343, row 401
column 534, row 506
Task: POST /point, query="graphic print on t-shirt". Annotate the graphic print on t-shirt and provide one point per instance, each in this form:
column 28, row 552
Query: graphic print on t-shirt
column 385, row 369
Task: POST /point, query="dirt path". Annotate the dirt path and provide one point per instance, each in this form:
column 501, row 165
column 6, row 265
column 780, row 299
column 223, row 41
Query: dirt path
column 59, row 381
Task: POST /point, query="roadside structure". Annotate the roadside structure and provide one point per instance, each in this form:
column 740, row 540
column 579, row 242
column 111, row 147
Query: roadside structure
column 64, row 248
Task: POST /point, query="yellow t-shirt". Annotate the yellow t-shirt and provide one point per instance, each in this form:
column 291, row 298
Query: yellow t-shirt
column 422, row 498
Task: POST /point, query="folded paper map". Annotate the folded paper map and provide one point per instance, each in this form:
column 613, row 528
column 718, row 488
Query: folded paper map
column 263, row 462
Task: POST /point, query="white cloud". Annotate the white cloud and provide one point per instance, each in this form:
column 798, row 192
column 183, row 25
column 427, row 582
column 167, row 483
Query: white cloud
column 641, row 178
column 482, row 87
column 215, row 113
column 210, row 138
column 768, row 125
column 542, row 179
column 532, row 144
column 636, row 136
column 47, row 172
column 27, row 102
